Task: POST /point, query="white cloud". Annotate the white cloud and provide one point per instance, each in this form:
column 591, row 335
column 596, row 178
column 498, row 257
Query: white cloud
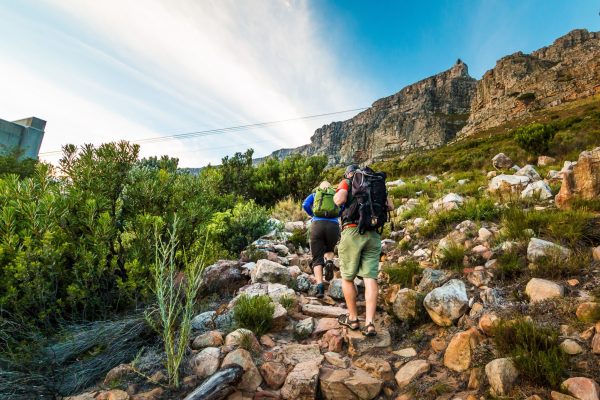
column 157, row 67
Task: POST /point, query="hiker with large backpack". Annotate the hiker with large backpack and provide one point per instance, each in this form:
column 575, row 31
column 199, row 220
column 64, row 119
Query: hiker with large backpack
column 324, row 232
column 366, row 207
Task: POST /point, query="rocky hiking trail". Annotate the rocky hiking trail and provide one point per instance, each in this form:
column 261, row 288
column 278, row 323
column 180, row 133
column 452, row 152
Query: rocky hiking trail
column 464, row 268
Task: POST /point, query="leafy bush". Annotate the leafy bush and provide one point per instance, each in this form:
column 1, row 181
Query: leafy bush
column 288, row 302
column 452, row 256
column 272, row 179
column 288, row 210
column 535, row 138
column 254, row 313
column 12, row 163
column 554, row 265
column 535, row 350
column 404, row 273
column 510, row 264
column 299, row 237
column 238, row 227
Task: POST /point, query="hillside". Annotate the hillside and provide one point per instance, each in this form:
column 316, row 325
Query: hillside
column 434, row 111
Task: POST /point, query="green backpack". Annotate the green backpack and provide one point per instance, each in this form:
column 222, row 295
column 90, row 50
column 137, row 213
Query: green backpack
column 323, row 205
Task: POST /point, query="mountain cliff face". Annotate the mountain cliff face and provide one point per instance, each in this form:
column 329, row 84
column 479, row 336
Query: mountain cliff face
column 567, row 70
column 452, row 104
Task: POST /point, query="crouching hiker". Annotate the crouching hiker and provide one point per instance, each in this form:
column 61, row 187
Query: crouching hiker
column 366, row 209
column 324, row 232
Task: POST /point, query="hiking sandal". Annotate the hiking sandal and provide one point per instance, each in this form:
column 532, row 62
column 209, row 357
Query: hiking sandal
column 368, row 332
column 347, row 322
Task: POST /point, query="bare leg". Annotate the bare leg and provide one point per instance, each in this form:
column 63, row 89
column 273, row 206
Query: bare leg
column 371, row 299
column 329, row 256
column 318, row 270
column 350, row 297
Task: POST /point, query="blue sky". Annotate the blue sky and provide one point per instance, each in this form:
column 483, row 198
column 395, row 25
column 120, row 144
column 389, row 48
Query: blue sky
column 130, row 69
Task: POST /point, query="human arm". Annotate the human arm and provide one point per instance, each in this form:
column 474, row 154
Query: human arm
column 341, row 194
column 308, row 204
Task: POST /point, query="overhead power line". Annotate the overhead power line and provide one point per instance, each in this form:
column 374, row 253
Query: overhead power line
column 220, row 131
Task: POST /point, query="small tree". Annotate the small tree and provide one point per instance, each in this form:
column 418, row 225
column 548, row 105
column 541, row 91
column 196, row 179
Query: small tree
column 175, row 300
column 535, row 138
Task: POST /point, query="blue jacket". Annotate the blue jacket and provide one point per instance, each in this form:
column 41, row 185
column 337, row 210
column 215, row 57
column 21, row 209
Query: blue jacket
column 307, row 206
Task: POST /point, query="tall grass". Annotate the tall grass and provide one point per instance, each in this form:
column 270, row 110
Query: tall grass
column 175, row 298
column 569, row 227
column 534, row 349
column 404, row 273
column 254, row 313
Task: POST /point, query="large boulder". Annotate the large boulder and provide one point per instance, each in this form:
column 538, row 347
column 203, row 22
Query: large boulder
column 501, row 374
column 335, row 289
column 360, row 344
column 301, row 382
column 537, row 190
column 274, row 374
column 459, row 351
column 501, row 161
column 295, row 353
column 582, row 388
column 223, row 277
column 406, row 306
column 242, row 336
column 508, row 183
column 377, row 367
column 251, row 378
column 208, row 339
column 447, row 303
column 411, row 371
column 270, row 272
column 541, row 289
column 348, row 384
column 530, row 172
column 582, row 180
column 538, row 249
column 448, row 202
column 206, row 362
column 431, row 279
column 588, row 311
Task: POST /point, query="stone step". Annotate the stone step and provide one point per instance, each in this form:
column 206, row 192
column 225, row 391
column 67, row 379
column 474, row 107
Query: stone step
column 314, row 310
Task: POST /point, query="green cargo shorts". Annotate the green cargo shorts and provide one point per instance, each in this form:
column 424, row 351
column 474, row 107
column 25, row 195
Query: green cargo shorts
column 359, row 254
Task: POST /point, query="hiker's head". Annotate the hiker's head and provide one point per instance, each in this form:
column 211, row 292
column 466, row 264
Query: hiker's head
column 350, row 170
column 324, row 185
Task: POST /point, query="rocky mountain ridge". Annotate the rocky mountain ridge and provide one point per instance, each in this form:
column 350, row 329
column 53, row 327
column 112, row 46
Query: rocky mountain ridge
column 452, row 104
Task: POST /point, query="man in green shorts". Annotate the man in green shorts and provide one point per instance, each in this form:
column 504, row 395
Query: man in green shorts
column 359, row 256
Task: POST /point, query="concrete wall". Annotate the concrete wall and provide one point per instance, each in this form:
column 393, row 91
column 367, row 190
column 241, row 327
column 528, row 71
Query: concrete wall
column 25, row 134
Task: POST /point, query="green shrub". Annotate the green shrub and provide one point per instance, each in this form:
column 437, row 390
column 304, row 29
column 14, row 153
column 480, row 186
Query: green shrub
column 587, row 205
column 534, row 138
column 573, row 228
column 554, row 265
column 510, row 264
column 404, row 273
column 452, row 256
column 288, row 210
column 299, row 237
column 535, row 351
column 254, row 313
column 236, row 228
column 288, row 302
column 254, row 254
